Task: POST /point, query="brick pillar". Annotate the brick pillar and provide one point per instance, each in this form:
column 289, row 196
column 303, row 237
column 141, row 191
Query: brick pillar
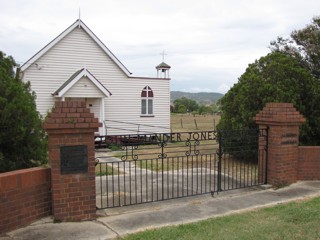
column 282, row 121
column 70, row 127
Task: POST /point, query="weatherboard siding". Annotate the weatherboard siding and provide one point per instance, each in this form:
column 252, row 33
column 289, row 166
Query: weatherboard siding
column 128, row 107
column 94, row 105
column 78, row 50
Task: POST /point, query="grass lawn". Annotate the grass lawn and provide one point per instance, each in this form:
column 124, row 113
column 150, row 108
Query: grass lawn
column 296, row 220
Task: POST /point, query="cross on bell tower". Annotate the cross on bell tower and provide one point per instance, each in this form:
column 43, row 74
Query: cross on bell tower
column 163, row 54
column 163, row 68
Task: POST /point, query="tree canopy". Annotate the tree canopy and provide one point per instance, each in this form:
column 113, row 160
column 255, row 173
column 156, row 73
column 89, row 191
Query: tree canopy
column 22, row 140
column 303, row 45
column 183, row 105
column 290, row 73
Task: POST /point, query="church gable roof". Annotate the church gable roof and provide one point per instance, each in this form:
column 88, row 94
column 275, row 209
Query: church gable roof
column 76, row 24
column 66, row 86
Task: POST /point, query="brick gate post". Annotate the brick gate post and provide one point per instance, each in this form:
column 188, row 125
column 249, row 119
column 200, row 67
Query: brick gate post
column 70, row 127
column 283, row 122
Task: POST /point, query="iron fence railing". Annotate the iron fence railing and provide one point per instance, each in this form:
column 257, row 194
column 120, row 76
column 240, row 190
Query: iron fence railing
column 154, row 167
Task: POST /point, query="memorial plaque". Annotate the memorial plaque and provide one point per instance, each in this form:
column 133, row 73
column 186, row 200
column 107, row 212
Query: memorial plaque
column 74, row 159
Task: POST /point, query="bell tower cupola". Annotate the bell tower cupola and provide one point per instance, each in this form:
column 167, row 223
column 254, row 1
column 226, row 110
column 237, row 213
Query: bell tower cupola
column 163, row 68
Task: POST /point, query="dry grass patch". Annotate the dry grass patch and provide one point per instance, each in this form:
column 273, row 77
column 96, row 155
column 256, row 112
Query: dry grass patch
column 188, row 122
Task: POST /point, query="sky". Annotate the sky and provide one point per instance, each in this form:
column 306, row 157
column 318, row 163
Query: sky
column 208, row 43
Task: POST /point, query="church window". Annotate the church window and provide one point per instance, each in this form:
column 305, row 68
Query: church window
column 147, row 101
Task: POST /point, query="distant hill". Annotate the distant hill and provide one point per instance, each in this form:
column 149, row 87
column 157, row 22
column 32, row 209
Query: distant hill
column 201, row 97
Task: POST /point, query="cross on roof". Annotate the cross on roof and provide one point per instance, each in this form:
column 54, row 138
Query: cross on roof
column 163, row 54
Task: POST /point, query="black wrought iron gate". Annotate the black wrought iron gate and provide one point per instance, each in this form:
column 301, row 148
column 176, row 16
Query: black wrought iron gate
column 153, row 167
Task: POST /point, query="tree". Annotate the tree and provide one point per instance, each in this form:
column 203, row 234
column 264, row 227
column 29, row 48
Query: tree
column 189, row 104
column 215, row 107
column 203, row 109
column 210, row 109
column 303, row 45
column 22, row 140
column 182, row 109
column 277, row 77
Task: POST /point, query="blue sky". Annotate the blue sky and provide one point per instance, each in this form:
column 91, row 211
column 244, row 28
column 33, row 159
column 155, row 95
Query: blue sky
column 209, row 43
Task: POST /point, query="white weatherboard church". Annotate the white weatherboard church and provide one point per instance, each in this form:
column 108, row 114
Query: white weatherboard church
column 76, row 65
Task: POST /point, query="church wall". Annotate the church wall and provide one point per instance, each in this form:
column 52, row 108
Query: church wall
column 78, row 50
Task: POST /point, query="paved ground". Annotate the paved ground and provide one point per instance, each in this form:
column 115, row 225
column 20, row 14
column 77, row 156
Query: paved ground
column 121, row 221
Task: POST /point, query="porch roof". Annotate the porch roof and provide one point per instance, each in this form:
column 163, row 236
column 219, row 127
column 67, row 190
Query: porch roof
column 75, row 78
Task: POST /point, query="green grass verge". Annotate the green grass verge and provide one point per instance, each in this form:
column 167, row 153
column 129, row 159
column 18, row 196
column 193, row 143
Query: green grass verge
column 296, row 220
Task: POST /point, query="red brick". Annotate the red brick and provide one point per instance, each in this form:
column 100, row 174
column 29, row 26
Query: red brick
column 66, row 125
column 58, row 104
column 95, row 125
column 57, row 115
column 86, row 115
column 50, row 126
column 8, row 182
column 73, row 115
column 27, row 198
column 73, row 110
column 82, row 125
column 309, row 163
column 70, row 104
column 81, row 120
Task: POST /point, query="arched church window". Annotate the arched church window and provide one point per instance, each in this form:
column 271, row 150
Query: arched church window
column 147, row 101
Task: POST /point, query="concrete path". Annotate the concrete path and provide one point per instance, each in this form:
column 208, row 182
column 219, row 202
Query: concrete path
column 118, row 222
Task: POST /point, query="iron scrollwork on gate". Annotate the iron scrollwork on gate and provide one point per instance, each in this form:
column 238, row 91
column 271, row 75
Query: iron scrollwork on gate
column 129, row 152
column 192, row 147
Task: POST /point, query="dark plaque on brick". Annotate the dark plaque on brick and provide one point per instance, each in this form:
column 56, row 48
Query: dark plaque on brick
column 74, row 159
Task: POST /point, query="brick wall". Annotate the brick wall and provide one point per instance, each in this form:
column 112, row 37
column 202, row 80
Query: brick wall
column 25, row 196
column 309, row 163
